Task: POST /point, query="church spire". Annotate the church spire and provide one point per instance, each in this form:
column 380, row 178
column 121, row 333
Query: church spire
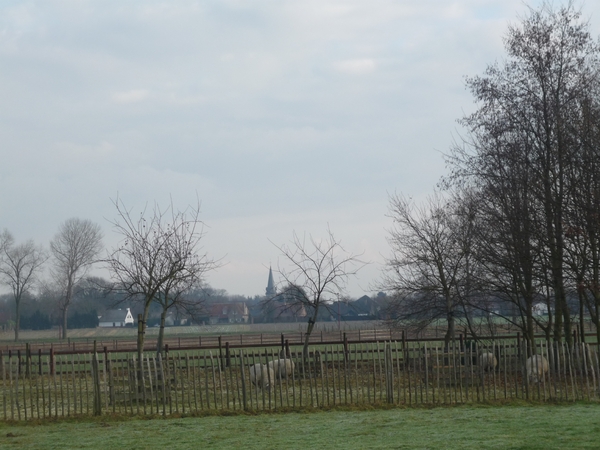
column 271, row 285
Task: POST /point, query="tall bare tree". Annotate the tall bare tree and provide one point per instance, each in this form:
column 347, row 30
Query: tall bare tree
column 582, row 234
column 19, row 266
column 427, row 263
column 159, row 257
column 528, row 125
column 316, row 272
column 75, row 248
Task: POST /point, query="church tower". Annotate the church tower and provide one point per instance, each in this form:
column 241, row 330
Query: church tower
column 271, row 291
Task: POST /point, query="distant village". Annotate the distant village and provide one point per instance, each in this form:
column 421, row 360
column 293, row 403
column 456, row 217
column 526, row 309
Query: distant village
column 94, row 305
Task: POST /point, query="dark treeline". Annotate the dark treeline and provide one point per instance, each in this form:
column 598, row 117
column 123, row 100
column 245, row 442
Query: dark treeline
column 515, row 230
column 92, row 296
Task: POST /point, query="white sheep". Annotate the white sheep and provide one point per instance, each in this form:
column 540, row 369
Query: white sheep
column 488, row 361
column 262, row 375
column 283, row 368
column 536, row 367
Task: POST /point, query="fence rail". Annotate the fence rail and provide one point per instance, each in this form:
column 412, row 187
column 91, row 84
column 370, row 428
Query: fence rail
column 197, row 342
column 394, row 372
column 82, row 346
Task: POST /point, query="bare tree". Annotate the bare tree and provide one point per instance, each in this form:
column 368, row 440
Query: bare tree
column 528, row 125
column 582, row 235
column 75, row 248
column 175, row 294
column 286, row 304
column 159, row 257
column 424, row 272
column 6, row 239
column 19, row 265
column 316, row 272
column 507, row 232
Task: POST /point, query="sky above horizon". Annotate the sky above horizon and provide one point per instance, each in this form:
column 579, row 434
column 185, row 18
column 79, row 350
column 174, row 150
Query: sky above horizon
column 280, row 116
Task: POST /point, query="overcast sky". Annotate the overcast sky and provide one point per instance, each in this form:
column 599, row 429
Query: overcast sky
column 280, row 116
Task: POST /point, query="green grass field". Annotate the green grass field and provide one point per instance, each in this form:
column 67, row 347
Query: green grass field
column 495, row 427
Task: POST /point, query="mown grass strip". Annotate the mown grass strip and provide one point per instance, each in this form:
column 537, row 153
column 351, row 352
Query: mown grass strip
column 523, row 426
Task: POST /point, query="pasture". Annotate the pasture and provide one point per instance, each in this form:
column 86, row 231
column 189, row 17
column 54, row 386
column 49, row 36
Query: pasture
column 83, row 334
column 524, row 426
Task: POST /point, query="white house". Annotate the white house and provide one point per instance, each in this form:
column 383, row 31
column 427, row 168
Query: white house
column 540, row 309
column 114, row 318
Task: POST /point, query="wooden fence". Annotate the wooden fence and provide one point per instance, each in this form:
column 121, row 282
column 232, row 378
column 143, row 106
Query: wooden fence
column 86, row 345
column 188, row 382
column 367, row 335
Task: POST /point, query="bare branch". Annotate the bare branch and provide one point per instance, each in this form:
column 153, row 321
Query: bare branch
column 315, row 271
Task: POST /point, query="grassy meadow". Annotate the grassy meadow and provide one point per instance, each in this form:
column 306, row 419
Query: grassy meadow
column 523, row 426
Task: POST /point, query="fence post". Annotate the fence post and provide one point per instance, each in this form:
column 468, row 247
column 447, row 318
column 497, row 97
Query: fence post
column 221, row 364
column 96, row 381
column 27, row 359
column 51, row 360
column 19, row 362
column 404, row 352
column 346, row 355
column 244, row 397
column 389, row 372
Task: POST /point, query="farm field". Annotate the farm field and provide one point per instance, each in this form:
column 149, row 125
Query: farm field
column 8, row 336
column 466, row 427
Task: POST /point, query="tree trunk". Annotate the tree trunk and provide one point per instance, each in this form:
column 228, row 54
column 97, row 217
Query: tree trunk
column 64, row 322
column 449, row 337
column 65, row 308
column 309, row 329
column 142, row 333
column 161, row 332
column 530, row 334
column 17, row 318
column 581, row 315
column 449, row 311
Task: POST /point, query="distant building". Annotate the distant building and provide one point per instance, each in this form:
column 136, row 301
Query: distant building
column 114, row 318
column 228, row 313
column 286, row 306
column 282, row 311
column 271, row 291
column 540, row 309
